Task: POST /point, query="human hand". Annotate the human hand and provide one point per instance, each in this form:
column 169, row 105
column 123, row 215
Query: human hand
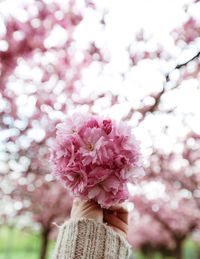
column 117, row 218
column 87, row 209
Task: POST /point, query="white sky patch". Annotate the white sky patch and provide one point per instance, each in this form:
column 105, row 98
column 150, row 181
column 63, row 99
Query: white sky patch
column 53, row 40
column 152, row 190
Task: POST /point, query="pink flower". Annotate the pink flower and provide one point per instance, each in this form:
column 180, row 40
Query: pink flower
column 120, row 161
column 98, row 175
column 107, row 126
column 75, row 179
column 64, row 152
column 70, row 126
column 90, row 144
column 109, row 192
column 96, row 158
column 112, row 185
column 92, row 123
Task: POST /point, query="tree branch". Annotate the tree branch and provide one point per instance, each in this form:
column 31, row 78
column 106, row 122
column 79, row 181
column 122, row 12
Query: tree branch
column 187, row 62
column 158, row 98
column 152, row 108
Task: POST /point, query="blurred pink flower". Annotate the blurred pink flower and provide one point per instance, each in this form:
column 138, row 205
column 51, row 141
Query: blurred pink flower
column 70, row 126
column 92, row 123
column 75, row 178
column 107, row 126
column 96, row 158
column 90, row 145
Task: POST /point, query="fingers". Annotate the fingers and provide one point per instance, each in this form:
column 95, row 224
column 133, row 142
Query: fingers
column 119, row 211
column 123, row 217
column 87, row 209
column 116, row 223
column 119, row 208
column 85, row 205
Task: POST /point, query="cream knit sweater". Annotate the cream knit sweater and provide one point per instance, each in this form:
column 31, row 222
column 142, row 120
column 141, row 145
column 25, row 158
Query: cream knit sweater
column 86, row 239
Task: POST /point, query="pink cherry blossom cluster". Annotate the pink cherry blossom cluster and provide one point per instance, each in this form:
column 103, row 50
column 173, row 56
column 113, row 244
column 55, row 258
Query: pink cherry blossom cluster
column 95, row 158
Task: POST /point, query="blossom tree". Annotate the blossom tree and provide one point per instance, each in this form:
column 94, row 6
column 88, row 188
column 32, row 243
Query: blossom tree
column 46, row 199
column 33, row 191
column 175, row 167
column 175, row 68
column 177, row 213
column 166, row 224
column 41, row 69
column 50, row 205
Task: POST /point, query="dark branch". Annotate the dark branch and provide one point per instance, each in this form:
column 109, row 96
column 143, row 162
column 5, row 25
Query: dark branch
column 184, row 64
column 154, row 107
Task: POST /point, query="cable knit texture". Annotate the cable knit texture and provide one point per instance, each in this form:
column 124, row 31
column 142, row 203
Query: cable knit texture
column 86, row 239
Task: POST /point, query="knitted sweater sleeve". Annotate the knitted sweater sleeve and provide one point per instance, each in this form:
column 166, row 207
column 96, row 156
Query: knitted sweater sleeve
column 86, row 239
